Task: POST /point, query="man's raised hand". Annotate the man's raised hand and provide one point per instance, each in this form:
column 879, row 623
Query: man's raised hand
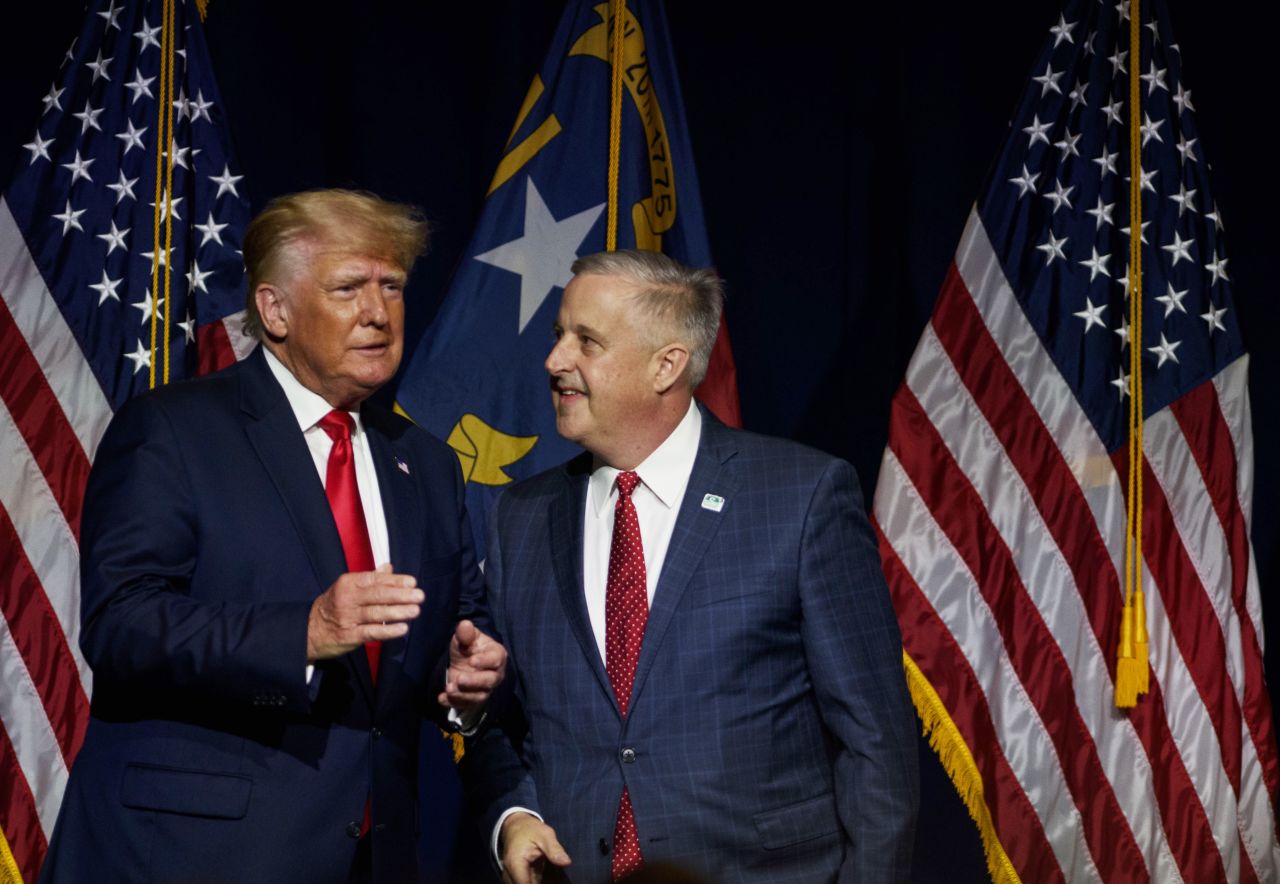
column 361, row 607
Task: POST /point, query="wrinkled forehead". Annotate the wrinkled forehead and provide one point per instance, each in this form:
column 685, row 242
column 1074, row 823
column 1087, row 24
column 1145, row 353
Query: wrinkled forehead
column 331, row 249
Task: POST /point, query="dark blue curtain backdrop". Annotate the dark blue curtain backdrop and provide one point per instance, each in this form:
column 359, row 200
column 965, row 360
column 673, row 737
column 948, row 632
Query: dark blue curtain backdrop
column 840, row 148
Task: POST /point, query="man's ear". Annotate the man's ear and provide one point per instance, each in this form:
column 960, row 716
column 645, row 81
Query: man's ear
column 669, row 365
column 273, row 308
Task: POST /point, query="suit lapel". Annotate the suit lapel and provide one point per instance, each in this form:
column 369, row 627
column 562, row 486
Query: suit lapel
column 405, row 525
column 695, row 527
column 567, row 512
column 273, row 432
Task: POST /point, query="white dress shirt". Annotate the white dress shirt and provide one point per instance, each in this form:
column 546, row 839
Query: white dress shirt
column 664, row 475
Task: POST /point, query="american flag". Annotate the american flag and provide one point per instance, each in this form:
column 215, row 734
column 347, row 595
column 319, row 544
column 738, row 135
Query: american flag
column 1001, row 504
column 81, row 223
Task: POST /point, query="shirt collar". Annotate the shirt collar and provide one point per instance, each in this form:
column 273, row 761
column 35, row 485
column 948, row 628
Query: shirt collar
column 308, row 406
column 665, row 472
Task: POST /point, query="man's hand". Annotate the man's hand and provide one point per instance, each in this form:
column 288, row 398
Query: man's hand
column 361, row 607
column 476, row 666
column 528, row 844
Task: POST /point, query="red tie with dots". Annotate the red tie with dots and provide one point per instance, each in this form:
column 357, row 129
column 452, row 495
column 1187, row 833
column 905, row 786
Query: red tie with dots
column 344, row 499
column 626, row 610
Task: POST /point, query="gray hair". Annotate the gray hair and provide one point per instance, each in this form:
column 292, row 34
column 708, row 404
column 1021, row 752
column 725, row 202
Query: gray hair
column 685, row 301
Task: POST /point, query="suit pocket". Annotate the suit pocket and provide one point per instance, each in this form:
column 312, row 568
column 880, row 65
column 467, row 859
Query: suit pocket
column 190, row 792
column 796, row 823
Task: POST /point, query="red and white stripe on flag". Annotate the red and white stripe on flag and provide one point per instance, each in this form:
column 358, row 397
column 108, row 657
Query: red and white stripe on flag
column 52, row 414
column 1001, row 519
column 82, row 277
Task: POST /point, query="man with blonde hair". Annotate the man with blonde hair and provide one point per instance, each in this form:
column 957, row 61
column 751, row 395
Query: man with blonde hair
column 274, row 579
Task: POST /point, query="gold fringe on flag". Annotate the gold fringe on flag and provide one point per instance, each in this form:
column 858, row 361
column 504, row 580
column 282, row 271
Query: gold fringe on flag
column 945, row 739
column 9, row 873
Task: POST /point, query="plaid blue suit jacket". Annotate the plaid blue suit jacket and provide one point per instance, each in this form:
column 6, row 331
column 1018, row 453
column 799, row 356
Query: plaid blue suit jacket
column 770, row 734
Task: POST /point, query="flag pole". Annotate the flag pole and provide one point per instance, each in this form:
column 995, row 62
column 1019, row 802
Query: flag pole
column 616, row 66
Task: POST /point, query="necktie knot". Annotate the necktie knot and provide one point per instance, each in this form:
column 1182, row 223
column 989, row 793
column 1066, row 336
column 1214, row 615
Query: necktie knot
column 337, row 424
column 627, row 482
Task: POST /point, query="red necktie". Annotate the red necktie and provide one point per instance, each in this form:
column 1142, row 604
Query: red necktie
column 344, row 499
column 626, row 610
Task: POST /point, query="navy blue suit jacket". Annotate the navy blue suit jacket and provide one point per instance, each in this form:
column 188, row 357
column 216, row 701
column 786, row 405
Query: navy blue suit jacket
column 770, row 736
column 206, row 537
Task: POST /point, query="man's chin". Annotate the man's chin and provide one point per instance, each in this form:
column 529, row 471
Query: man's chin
column 569, row 429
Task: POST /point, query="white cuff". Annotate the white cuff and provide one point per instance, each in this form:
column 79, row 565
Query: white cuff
column 497, row 831
column 467, row 722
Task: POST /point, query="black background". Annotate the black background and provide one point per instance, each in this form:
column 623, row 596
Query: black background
column 839, row 146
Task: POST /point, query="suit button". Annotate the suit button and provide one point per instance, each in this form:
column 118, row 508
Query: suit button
column 353, row 829
column 375, row 733
column 628, row 755
column 604, row 847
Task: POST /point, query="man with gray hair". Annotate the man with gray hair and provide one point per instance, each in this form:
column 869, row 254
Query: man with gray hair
column 709, row 672
column 274, row 576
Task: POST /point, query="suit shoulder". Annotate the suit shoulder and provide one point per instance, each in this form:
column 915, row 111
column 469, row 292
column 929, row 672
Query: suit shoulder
column 192, row 398
column 753, row 449
column 399, row 428
column 539, row 489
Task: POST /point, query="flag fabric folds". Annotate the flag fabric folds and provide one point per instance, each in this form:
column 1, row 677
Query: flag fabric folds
column 476, row 378
column 119, row 269
column 1001, row 503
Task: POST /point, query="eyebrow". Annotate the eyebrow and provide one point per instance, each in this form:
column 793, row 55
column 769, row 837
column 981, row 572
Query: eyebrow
column 345, row 276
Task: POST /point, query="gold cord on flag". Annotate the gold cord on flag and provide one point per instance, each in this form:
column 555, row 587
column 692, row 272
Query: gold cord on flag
column 617, row 64
column 1132, row 668
column 164, row 196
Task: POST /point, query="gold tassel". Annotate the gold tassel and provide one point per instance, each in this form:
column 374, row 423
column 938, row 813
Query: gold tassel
column 1127, row 665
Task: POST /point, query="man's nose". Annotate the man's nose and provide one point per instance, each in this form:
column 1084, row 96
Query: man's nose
column 556, row 361
column 373, row 305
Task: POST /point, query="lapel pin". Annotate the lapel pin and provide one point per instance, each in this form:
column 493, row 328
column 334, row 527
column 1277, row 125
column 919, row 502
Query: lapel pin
column 402, row 466
column 713, row 502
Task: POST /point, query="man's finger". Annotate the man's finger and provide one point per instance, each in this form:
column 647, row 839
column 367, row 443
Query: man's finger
column 386, row 595
column 381, row 632
column 388, row 613
column 464, row 681
column 384, row 576
column 550, row 846
column 486, row 660
column 466, row 634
